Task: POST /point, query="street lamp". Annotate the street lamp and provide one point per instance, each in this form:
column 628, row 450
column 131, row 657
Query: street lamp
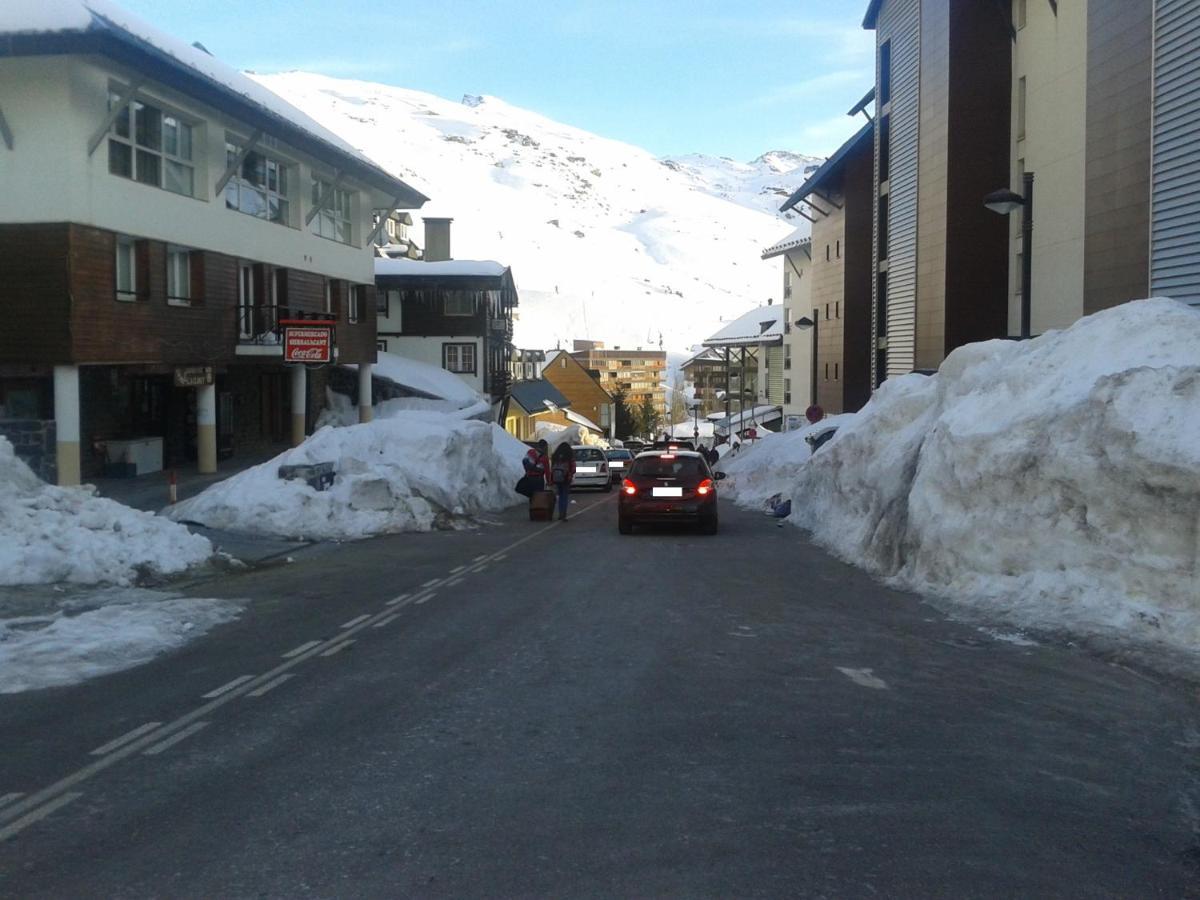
column 695, row 419
column 1006, row 202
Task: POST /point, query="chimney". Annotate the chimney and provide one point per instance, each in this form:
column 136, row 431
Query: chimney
column 437, row 239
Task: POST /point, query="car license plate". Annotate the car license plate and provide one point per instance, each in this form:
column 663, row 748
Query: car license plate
column 667, row 492
column 616, row 464
column 586, row 470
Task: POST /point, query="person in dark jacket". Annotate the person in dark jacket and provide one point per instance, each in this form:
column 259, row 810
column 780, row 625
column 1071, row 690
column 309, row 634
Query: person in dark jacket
column 562, row 473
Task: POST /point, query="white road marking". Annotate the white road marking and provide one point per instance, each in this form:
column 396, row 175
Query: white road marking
column 174, row 739
column 453, row 582
column 356, row 620
column 125, row 739
column 425, row 597
column 397, row 600
column 482, row 568
column 37, row 815
column 500, row 556
column 388, row 621
column 457, row 569
column 270, row 685
column 226, row 688
column 337, row 648
column 865, row 678
column 9, row 798
column 302, row 648
column 431, row 582
column 481, row 556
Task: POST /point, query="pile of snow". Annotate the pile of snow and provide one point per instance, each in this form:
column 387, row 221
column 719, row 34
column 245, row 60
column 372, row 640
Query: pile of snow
column 412, row 472
column 341, row 411
column 574, row 435
column 52, row 534
column 1056, row 480
column 759, row 467
column 101, row 632
column 425, row 378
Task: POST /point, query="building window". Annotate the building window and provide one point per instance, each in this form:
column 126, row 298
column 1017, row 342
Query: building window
column 885, row 147
column 458, row 304
column 835, row 371
column 826, row 312
column 787, row 356
column 885, row 74
column 1021, row 109
column 355, row 305
column 826, row 371
column 881, row 290
column 837, row 309
column 787, row 390
column 126, row 268
column 838, row 252
column 259, row 187
column 179, row 276
column 826, row 253
column 381, row 346
column 787, row 283
column 883, row 227
column 334, row 203
column 1019, row 13
column 151, row 146
column 459, row 358
column 383, row 303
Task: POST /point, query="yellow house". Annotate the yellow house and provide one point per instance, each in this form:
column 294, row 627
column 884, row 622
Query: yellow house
column 534, row 401
column 583, row 392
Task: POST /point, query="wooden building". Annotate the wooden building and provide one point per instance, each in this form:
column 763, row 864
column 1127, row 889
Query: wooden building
column 582, row 390
column 162, row 215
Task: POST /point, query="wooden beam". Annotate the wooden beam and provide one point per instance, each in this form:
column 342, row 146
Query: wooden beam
column 5, row 131
column 798, row 211
column 123, row 101
column 323, row 200
column 379, row 226
column 816, row 208
column 231, row 169
column 828, row 200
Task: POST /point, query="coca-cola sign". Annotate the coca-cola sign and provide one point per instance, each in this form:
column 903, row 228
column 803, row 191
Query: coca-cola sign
column 312, row 344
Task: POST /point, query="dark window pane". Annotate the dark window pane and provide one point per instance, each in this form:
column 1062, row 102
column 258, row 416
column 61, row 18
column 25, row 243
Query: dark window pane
column 121, row 125
column 178, row 178
column 120, row 159
column 231, row 194
column 149, row 168
column 148, row 126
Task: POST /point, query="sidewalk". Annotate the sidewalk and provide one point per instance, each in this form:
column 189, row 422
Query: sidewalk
column 149, row 493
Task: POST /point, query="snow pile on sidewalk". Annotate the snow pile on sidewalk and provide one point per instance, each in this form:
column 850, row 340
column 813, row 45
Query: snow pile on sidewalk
column 759, row 467
column 1056, row 480
column 412, row 472
column 53, row 534
column 574, row 435
column 98, row 633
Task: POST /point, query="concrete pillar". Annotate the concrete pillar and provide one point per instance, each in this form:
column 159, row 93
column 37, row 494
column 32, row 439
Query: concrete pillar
column 299, row 404
column 366, row 412
column 66, row 423
column 206, row 428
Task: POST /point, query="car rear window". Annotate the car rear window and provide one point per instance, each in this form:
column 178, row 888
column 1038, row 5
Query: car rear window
column 668, row 467
column 619, row 454
column 588, row 454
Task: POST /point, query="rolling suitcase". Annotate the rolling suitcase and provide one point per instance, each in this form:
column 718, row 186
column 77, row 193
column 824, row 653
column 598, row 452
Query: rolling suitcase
column 541, row 506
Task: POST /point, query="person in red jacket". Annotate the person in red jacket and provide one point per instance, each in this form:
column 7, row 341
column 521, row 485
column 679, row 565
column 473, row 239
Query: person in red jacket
column 562, row 473
column 543, row 460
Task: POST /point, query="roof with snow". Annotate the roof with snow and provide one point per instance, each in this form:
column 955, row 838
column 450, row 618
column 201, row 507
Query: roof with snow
column 759, row 326
column 453, row 274
column 707, row 354
column 794, row 241
column 583, row 420
column 54, row 27
column 831, row 167
column 759, row 415
column 538, row 396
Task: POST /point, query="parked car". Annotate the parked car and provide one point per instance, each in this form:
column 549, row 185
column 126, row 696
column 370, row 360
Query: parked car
column 665, row 486
column 634, row 445
column 619, row 460
column 591, row 468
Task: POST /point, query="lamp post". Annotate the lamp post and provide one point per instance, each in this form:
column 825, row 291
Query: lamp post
column 1006, row 202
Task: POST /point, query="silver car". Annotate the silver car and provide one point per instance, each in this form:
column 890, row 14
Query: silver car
column 591, row 468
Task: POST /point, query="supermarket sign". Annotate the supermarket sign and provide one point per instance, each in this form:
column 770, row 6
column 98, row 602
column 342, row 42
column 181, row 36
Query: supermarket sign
column 307, row 342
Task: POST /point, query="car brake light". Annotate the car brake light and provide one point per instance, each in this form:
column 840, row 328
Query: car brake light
column 667, row 456
column 704, row 487
column 628, row 487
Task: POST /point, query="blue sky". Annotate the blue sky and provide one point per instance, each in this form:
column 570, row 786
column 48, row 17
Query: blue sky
column 673, row 76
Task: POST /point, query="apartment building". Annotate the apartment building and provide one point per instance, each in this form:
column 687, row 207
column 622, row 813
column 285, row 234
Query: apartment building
column 941, row 132
column 164, row 219
column 704, row 373
column 795, row 375
column 642, row 373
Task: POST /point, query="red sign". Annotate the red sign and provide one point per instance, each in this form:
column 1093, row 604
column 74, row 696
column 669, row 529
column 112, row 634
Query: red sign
column 307, row 343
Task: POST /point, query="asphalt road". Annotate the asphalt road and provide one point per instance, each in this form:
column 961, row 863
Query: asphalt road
column 532, row 710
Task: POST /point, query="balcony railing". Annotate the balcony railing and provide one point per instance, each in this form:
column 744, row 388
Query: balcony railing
column 259, row 325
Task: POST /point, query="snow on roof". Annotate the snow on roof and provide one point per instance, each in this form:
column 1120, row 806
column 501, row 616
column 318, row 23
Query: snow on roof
column 57, row 19
column 759, row 326
column 793, row 241
column 583, row 420
column 417, row 268
column 423, row 378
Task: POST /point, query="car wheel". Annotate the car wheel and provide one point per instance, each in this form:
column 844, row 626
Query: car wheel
column 624, row 525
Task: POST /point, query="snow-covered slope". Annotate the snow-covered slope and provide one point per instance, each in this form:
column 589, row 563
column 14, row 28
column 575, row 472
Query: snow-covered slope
column 762, row 184
column 605, row 241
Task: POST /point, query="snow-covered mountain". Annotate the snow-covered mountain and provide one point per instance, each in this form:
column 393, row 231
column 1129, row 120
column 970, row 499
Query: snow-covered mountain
column 606, row 241
column 762, row 184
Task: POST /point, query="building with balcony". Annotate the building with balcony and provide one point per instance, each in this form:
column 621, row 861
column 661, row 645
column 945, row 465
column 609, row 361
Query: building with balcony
column 163, row 217
column 751, row 354
column 456, row 314
column 795, row 253
column 704, row 374
column 642, row 373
